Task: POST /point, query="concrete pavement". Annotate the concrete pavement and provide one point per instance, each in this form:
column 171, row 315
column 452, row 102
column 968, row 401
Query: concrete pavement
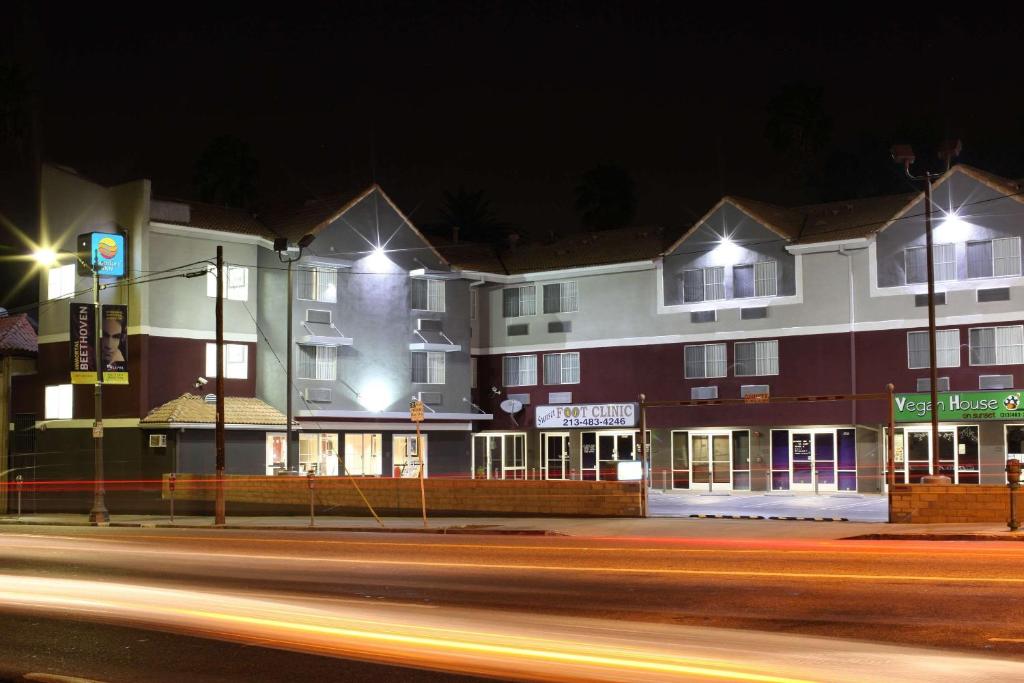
column 854, row 507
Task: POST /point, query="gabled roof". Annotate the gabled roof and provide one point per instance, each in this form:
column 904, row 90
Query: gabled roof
column 222, row 218
column 785, row 223
column 17, row 336
column 850, row 219
column 192, row 409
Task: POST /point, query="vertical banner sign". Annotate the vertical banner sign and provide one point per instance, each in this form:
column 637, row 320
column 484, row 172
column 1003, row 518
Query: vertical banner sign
column 114, row 345
column 83, row 341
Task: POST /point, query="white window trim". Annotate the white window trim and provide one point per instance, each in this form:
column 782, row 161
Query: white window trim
column 231, row 369
column 757, row 370
column 317, row 361
column 504, row 374
column 561, row 369
column 993, row 276
column 906, row 268
column 65, row 278
column 988, row 327
column 938, row 365
column 314, row 272
column 432, row 295
column 706, row 375
column 433, row 376
column 521, row 314
column 63, row 398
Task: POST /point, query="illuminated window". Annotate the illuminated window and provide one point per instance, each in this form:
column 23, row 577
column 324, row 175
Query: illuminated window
column 947, row 349
column 560, row 298
column 704, row 360
column 916, row 263
column 562, row 368
column 519, row 301
column 757, row 358
column 59, row 400
column 519, row 371
column 703, row 284
column 428, row 367
column 994, row 258
column 428, row 295
column 757, row 279
column 236, row 282
column 60, row 281
column 236, row 361
column 317, row 284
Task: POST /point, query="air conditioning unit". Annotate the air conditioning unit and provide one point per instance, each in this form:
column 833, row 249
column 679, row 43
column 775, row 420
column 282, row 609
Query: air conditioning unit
column 158, row 441
column 317, row 394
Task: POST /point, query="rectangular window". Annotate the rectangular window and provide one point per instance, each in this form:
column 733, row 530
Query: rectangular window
column 560, row 298
column 916, row 260
column 704, row 360
column 428, row 367
column 519, row 301
column 947, row 349
column 318, row 362
column 236, row 282
column 60, row 282
column 428, row 295
column 758, row 279
column 994, row 258
column 997, row 345
column 742, row 282
column 519, row 371
column 317, row 284
column 236, row 361
column 757, row 358
column 59, row 399
column 714, row 283
column 562, row 368
column 704, row 284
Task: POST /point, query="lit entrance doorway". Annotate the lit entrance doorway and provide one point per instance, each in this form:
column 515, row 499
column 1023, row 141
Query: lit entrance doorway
column 711, row 460
column 405, row 461
column 499, row 456
column 958, row 453
column 277, row 452
column 555, row 446
column 363, row 455
column 814, row 459
column 602, row 452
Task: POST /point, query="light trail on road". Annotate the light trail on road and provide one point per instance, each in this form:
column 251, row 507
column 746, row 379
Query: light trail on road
column 473, row 641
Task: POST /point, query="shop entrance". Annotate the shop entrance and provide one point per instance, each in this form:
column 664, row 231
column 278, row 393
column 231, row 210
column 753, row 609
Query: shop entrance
column 405, row 460
column 556, row 455
column 814, row 459
column 363, row 455
column 710, row 458
column 602, row 452
column 499, row 456
column 958, row 453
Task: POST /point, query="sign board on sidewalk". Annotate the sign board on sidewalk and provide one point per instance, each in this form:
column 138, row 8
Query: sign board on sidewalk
column 955, row 406
column 587, row 415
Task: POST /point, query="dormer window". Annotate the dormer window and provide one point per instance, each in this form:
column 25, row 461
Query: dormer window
column 704, row 284
column 916, row 262
column 755, row 280
column 994, row 258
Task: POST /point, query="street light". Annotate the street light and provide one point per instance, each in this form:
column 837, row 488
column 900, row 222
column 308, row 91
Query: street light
column 46, row 257
column 281, row 247
column 904, row 154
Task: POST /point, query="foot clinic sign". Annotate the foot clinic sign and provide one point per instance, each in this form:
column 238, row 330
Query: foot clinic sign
column 587, row 415
column 955, row 406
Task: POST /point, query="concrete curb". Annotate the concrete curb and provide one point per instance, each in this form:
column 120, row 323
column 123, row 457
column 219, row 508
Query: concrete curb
column 453, row 530
column 792, row 519
column 936, row 537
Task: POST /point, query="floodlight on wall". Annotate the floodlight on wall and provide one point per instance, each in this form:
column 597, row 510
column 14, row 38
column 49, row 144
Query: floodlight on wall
column 306, row 240
column 280, row 244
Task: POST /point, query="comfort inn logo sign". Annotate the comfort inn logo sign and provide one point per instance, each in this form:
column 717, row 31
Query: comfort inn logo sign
column 961, row 405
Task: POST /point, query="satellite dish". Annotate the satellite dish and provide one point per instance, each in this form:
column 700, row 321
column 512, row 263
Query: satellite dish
column 511, row 406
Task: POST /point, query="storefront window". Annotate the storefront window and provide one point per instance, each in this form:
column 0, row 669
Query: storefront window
column 780, row 459
column 969, row 465
column 277, row 453
column 680, row 460
column 1015, row 441
column 405, row 459
column 741, row 460
column 847, row 462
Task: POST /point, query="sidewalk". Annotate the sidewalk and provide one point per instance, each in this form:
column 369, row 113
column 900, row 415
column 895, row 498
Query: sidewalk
column 660, row 528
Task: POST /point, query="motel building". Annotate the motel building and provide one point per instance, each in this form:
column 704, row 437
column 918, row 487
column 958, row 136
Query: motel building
column 530, row 360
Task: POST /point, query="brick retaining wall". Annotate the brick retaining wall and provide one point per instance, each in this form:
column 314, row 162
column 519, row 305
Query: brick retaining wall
column 337, row 495
column 930, row 504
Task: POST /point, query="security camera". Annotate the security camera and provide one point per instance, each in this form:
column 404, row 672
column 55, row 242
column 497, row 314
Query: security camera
column 200, row 382
column 495, row 391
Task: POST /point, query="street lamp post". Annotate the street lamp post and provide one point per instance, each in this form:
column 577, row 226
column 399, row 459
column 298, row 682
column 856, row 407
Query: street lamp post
column 904, row 154
column 281, row 247
column 98, row 514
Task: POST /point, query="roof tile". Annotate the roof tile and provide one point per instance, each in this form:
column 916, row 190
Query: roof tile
column 193, row 409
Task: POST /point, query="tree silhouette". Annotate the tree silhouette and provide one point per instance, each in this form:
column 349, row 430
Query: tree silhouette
column 606, row 197
column 15, row 107
column 799, row 129
column 226, row 173
column 471, row 212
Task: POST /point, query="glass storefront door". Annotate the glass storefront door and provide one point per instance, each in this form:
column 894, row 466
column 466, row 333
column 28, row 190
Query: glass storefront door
column 556, row 454
column 958, row 453
column 499, row 456
column 823, row 455
column 277, row 452
column 318, row 453
column 680, row 460
column 363, row 455
column 711, row 461
column 405, row 460
column 603, row 451
column 814, row 460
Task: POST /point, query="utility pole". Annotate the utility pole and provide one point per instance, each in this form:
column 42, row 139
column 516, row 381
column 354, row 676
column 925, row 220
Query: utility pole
column 98, row 515
column 219, row 502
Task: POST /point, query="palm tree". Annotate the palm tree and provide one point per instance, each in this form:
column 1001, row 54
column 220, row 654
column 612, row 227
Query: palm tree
column 606, row 197
column 226, row 173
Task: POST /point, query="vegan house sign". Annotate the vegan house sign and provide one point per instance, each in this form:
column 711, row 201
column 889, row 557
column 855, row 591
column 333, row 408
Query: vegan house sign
column 961, row 405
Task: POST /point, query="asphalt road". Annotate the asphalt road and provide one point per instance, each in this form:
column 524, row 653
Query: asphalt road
column 538, row 607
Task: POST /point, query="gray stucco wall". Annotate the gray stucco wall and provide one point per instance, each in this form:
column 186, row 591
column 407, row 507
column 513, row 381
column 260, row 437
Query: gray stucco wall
column 271, row 380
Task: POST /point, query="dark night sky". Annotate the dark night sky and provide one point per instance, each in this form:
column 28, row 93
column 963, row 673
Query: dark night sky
column 517, row 99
